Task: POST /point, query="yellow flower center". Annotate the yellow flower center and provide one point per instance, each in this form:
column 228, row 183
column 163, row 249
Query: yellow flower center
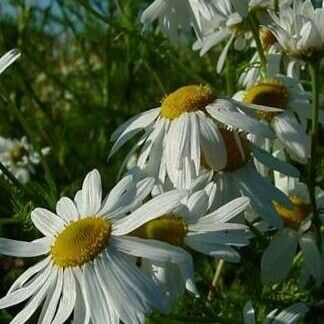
column 186, row 99
column 269, row 93
column 81, row 241
column 17, row 153
column 293, row 217
column 267, row 37
column 169, row 228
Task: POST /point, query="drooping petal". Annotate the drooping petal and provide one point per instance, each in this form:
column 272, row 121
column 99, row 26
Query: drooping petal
column 277, row 258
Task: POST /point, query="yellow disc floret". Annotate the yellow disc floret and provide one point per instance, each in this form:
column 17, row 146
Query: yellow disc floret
column 269, row 93
column 81, row 241
column 186, row 99
column 293, row 217
column 17, row 153
column 169, row 228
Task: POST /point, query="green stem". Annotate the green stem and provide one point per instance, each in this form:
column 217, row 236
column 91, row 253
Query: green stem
column 230, row 84
column 256, row 35
column 216, row 279
column 276, row 5
column 312, row 174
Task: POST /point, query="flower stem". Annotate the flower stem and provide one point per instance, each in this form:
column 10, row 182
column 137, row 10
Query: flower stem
column 276, row 5
column 217, row 276
column 256, row 35
column 315, row 78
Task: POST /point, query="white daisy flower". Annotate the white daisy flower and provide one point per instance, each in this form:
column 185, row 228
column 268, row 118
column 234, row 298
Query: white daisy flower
column 193, row 225
column 290, row 315
column 240, row 177
column 8, row 58
column 286, row 93
column 19, row 157
column 277, row 259
column 177, row 17
column 226, row 24
column 88, row 269
column 184, row 130
column 300, row 30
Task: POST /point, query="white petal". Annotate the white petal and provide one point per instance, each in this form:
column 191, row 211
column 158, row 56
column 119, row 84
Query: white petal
column 132, row 127
column 312, row 257
column 66, row 209
column 101, row 310
column 24, row 293
column 68, row 298
column 223, row 214
column 91, row 194
column 114, row 290
column 276, row 164
column 24, row 249
column 8, row 59
column 292, row 135
column 34, row 302
column 212, row 143
column 22, row 279
column 249, row 313
column 277, row 258
column 123, row 191
column 224, row 112
column 52, row 299
column 154, row 208
column 291, row 315
column 159, row 252
column 47, row 222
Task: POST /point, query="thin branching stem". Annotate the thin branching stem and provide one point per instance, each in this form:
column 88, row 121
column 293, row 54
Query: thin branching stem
column 312, row 174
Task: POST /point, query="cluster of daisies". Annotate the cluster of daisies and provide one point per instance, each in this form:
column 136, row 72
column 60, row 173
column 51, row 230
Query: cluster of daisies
column 208, row 173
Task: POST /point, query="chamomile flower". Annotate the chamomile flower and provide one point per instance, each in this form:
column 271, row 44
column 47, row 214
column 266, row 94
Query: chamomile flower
column 214, row 233
column 226, row 24
column 290, row 315
column 286, row 93
column 240, row 177
column 19, row 157
column 277, row 259
column 300, row 30
column 8, row 58
column 185, row 130
column 177, row 17
column 88, row 269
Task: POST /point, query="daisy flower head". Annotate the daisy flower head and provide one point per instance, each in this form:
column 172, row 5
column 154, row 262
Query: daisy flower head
column 290, row 315
column 241, row 178
column 19, row 157
column 226, row 24
column 297, row 235
column 299, row 30
column 184, row 131
column 193, row 225
column 177, row 17
column 8, row 58
column 287, row 94
column 88, row 267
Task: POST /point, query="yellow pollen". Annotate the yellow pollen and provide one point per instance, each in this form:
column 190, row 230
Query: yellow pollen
column 293, row 217
column 81, row 241
column 186, row 99
column 17, row 153
column 169, row 228
column 267, row 37
column 269, row 93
